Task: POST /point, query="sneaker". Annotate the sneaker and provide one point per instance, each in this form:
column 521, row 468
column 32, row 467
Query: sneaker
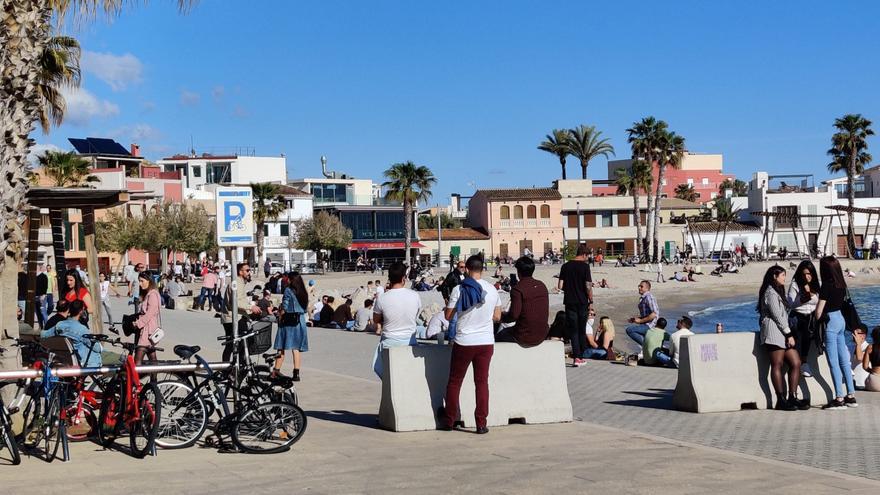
column 850, row 401
column 580, row 362
column 835, row 404
column 806, row 371
column 802, row 404
column 785, row 405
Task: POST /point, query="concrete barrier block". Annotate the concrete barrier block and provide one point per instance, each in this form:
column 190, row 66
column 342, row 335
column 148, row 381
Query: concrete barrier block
column 731, row 371
column 527, row 385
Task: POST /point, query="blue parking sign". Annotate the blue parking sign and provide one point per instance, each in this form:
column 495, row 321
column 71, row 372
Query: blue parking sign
column 235, row 216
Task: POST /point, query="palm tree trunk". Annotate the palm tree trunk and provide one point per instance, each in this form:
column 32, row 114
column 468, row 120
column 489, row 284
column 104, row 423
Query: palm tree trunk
column 649, row 224
column 260, row 240
column 562, row 162
column 584, row 165
column 25, row 33
column 407, row 225
column 637, row 217
column 661, row 174
column 851, row 201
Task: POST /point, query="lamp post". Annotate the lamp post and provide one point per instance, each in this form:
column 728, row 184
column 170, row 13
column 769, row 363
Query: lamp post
column 289, row 256
column 439, row 237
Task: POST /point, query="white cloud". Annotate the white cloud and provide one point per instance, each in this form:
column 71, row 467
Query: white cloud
column 83, row 106
column 118, row 71
column 189, row 98
column 37, row 150
column 218, row 92
column 136, row 133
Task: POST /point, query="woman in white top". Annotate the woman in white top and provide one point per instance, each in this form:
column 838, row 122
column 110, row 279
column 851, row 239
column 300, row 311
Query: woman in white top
column 105, row 297
column 803, row 296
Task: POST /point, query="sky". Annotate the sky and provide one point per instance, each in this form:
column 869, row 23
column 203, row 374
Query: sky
column 470, row 88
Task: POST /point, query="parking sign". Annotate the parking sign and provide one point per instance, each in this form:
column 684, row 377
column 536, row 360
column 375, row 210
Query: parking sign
column 235, row 216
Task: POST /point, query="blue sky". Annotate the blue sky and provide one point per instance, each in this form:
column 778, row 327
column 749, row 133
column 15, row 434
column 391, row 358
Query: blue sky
column 470, row 88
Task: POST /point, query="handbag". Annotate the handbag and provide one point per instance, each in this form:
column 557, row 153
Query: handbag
column 850, row 314
column 159, row 334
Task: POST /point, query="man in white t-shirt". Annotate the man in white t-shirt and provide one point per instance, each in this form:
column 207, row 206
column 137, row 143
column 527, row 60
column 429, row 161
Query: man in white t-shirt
column 479, row 307
column 395, row 314
column 682, row 328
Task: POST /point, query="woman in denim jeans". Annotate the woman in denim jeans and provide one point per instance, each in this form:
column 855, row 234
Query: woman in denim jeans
column 831, row 298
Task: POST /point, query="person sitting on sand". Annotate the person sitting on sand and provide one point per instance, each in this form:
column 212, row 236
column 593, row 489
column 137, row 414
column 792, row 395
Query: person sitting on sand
column 604, row 339
column 604, row 284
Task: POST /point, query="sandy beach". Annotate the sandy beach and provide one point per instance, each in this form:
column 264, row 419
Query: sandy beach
column 618, row 302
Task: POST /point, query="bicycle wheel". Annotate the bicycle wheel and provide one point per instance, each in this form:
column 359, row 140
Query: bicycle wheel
column 184, row 416
column 81, row 422
column 7, row 439
column 142, row 433
column 269, row 428
column 52, row 427
column 108, row 415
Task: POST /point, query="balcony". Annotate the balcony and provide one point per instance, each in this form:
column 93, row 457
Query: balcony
column 505, row 224
column 545, row 222
column 531, row 223
column 517, row 223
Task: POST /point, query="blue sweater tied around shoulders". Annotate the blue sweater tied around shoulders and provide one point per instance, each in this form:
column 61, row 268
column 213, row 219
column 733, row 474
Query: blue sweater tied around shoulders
column 470, row 294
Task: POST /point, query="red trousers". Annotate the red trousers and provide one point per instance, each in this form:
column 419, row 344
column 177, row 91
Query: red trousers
column 462, row 357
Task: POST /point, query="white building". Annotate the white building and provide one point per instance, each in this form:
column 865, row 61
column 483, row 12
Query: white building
column 278, row 234
column 199, row 171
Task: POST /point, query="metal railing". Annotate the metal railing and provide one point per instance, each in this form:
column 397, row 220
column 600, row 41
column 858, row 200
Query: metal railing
column 143, row 369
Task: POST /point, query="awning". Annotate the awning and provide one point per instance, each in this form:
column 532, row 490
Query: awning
column 357, row 246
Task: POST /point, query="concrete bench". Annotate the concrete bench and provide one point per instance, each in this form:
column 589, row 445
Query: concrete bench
column 731, row 371
column 525, row 385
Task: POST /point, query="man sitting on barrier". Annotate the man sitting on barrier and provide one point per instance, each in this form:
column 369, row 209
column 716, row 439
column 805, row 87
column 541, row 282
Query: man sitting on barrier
column 529, row 308
column 479, row 306
column 395, row 314
column 649, row 311
column 74, row 331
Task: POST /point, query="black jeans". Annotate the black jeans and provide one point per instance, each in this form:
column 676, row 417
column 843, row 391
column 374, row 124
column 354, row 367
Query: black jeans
column 228, row 347
column 576, row 327
column 803, row 335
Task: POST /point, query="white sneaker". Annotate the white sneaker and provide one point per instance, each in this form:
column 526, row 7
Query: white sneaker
column 806, row 371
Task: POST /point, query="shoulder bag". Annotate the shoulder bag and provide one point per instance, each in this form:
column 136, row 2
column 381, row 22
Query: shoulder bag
column 850, row 314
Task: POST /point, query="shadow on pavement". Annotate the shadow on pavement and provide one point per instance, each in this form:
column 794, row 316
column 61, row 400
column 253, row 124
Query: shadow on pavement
column 347, row 417
column 656, row 398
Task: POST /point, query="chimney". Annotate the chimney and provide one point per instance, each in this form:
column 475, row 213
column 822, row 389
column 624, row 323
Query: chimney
column 135, row 150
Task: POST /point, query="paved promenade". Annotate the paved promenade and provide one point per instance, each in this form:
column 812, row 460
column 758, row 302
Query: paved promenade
column 624, row 442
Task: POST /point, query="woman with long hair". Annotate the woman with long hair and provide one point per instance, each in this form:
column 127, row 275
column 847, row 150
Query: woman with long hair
column 778, row 339
column 292, row 333
column 831, row 299
column 604, row 340
column 149, row 321
column 74, row 289
column 803, row 295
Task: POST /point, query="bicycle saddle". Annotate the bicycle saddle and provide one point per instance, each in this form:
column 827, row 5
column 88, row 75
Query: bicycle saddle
column 186, row 351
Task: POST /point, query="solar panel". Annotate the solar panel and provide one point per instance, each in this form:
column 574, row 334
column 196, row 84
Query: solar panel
column 80, row 145
column 98, row 146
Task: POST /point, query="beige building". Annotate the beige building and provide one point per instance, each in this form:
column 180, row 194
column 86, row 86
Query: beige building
column 517, row 220
column 459, row 243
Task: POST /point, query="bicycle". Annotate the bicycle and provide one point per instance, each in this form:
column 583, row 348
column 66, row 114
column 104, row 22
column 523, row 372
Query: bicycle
column 128, row 403
column 256, row 424
column 44, row 415
column 85, row 400
column 7, row 438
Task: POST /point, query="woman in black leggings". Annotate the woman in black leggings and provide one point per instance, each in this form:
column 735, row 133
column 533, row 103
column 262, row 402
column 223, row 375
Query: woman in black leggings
column 803, row 295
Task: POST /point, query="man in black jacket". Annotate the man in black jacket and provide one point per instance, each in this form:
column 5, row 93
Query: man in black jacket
column 455, row 277
column 40, row 298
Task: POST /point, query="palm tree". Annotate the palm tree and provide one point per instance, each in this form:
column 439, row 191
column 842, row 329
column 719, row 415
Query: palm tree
column 633, row 182
column 557, row 143
column 725, row 212
column 586, row 143
column 269, row 204
column 66, row 168
column 408, row 183
column 59, row 66
column 672, row 150
column 739, row 188
column 686, row 192
column 849, row 153
column 644, row 139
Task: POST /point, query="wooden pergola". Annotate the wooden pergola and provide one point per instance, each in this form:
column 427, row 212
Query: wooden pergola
column 842, row 209
column 56, row 200
column 795, row 222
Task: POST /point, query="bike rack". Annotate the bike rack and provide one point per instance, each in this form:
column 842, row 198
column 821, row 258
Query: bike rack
column 143, row 369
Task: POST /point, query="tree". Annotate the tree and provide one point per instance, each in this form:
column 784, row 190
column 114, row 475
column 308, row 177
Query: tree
column 66, row 168
column 446, row 221
column 686, row 192
column 644, row 139
column 320, row 232
column 725, row 212
column 671, row 151
column 586, row 143
column 633, row 181
column 408, row 183
column 739, row 188
column 849, row 153
column 118, row 233
column 269, row 204
column 557, row 143
column 59, row 66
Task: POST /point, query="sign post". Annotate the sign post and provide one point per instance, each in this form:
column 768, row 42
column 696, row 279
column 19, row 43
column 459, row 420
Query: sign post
column 235, row 228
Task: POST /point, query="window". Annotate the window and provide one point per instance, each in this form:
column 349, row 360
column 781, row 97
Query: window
column 690, row 182
column 789, row 218
column 532, row 211
column 572, row 220
column 502, row 250
column 705, row 181
column 812, row 222
column 219, row 173
column 332, row 193
column 361, row 224
column 285, row 230
column 607, row 218
column 197, row 171
column 389, row 225
column 505, row 213
column 545, row 211
column 266, row 230
column 517, row 212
